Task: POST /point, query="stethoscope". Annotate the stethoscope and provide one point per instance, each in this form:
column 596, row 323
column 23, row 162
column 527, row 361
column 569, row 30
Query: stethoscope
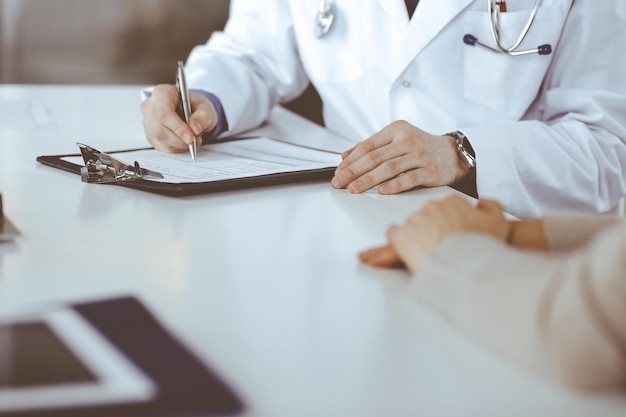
column 494, row 23
column 326, row 16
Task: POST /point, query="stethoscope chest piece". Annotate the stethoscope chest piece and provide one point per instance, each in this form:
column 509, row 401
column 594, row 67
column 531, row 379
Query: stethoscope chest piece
column 324, row 18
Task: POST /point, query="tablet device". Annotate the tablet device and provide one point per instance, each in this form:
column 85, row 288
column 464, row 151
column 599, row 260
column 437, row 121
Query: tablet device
column 102, row 358
column 55, row 359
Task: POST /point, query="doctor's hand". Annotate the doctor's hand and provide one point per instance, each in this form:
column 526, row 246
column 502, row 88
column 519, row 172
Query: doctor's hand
column 163, row 125
column 400, row 157
column 431, row 225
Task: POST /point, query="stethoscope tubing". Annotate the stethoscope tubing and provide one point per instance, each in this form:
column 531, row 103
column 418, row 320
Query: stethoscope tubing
column 494, row 25
column 544, row 49
column 325, row 18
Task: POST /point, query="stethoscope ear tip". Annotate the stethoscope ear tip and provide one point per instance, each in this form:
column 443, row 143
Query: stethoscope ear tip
column 470, row 39
column 544, row 49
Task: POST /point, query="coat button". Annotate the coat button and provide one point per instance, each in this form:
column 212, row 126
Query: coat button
column 406, row 83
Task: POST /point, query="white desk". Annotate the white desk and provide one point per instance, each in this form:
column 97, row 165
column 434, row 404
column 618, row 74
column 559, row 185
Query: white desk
column 263, row 284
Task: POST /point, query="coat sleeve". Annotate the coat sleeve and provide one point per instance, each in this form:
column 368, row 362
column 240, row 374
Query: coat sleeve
column 559, row 315
column 569, row 150
column 252, row 64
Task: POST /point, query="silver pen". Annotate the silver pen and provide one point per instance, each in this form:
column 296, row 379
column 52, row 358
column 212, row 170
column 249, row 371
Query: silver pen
column 181, row 85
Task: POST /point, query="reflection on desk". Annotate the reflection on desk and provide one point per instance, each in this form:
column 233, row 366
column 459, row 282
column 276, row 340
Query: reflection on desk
column 7, row 230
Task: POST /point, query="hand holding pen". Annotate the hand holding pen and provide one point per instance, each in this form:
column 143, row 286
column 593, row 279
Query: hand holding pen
column 181, row 85
column 163, row 121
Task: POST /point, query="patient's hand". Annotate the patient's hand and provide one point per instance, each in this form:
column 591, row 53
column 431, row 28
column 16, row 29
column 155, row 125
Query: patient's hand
column 428, row 227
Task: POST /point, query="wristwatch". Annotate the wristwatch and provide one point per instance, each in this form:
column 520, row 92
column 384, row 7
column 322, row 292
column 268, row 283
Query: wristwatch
column 463, row 147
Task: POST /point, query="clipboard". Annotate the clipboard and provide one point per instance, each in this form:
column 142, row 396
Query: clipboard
column 180, row 189
column 185, row 386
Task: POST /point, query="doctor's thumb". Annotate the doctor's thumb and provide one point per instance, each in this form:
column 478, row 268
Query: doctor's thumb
column 202, row 121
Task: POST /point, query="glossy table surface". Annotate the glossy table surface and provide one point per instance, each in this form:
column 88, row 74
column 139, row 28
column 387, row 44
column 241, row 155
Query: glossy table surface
column 263, row 284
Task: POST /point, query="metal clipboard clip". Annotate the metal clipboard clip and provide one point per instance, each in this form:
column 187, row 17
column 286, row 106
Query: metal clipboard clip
column 103, row 168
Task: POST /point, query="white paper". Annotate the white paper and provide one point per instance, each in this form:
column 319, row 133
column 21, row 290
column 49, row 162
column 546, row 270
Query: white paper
column 235, row 159
column 20, row 114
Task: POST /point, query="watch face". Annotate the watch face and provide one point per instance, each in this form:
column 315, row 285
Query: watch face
column 461, row 142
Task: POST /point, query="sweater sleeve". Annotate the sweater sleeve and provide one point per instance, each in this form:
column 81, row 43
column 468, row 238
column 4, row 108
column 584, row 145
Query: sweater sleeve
column 567, row 232
column 559, row 315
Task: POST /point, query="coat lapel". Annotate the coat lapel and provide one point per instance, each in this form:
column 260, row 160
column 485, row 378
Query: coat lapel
column 396, row 11
column 430, row 17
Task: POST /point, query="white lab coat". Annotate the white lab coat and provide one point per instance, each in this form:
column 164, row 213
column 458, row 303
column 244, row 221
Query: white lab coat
column 549, row 131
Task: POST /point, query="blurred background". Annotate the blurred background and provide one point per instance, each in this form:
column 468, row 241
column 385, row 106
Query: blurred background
column 102, row 42
column 110, row 41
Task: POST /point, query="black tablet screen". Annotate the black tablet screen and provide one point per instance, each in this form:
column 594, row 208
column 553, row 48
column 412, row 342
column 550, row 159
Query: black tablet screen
column 31, row 354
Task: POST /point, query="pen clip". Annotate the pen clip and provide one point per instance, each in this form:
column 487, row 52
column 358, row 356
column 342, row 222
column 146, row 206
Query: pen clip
column 103, row 168
column 181, row 86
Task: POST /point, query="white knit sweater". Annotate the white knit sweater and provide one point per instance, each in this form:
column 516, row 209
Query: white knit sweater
column 562, row 314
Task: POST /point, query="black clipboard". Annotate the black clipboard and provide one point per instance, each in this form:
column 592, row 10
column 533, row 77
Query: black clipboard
column 193, row 188
column 186, row 386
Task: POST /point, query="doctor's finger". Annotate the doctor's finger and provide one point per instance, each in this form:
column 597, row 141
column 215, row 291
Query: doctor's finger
column 419, row 177
column 172, row 121
column 348, row 172
column 345, row 153
column 164, row 140
column 376, row 141
column 368, row 177
column 161, row 110
column 400, row 132
column 203, row 117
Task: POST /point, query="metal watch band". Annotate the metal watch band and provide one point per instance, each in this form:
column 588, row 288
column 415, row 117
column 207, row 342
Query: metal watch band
column 464, row 154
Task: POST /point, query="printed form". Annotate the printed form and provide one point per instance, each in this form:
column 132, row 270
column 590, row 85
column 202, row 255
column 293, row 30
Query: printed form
column 243, row 158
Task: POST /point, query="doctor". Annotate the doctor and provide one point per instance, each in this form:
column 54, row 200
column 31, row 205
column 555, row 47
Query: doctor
column 524, row 100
